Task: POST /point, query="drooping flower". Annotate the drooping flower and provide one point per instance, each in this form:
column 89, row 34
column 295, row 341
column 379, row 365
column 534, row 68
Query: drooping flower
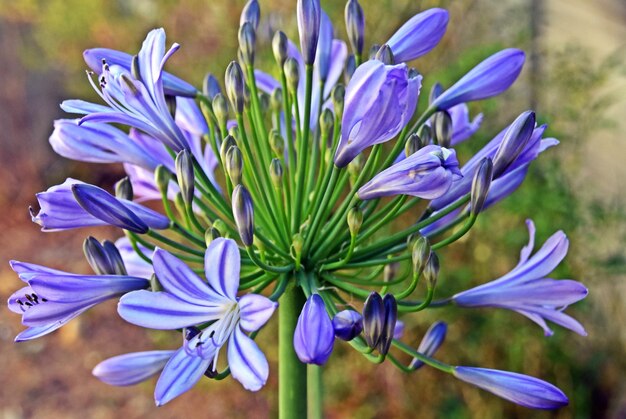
column 527, row 289
column 314, row 336
column 518, row 388
column 380, row 100
column 489, row 78
column 132, row 368
column 52, row 297
column 419, row 35
column 432, row 340
column 427, row 173
column 188, row 301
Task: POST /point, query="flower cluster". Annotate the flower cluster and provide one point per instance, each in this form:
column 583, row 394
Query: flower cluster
column 316, row 157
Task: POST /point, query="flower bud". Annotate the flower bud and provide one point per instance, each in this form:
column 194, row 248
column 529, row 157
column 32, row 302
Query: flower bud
column 162, row 177
column 233, row 131
column 185, row 175
column 413, row 144
column 420, row 252
column 373, row 319
column 431, row 270
column 356, row 165
column 229, row 141
column 243, row 211
column 280, row 47
column 210, row 86
column 314, row 336
column 347, row 324
column 264, row 102
column 480, row 185
column 350, row 68
column 277, row 143
column 385, row 55
column 220, row 109
column 103, row 259
column 220, row 228
column 426, row 135
column 389, row 272
column 296, row 245
column 373, row 51
column 114, row 257
column 389, row 328
column 355, row 25
column 337, row 95
column 327, row 122
column 233, row 163
column 276, row 173
column 309, row 16
column 435, row 92
column 247, row 43
column 211, row 234
column 292, row 75
column 124, row 189
column 432, row 340
column 276, row 100
column 419, row 35
column 515, row 139
column 355, row 220
column 251, row 13
column 442, row 126
column 235, row 86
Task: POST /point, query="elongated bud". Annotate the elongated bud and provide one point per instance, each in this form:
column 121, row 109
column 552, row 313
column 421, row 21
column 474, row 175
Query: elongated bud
column 314, row 335
column 276, row 172
column 338, row 95
column 292, row 74
column 413, row 144
column 356, row 165
column 327, row 122
column 431, row 270
column 162, row 177
column 234, row 132
column 247, row 43
column 277, row 143
column 276, row 100
column 348, row 324
column 385, row 55
column 373, row 319
column 220, row 109
column 442, row 124
column 389, row 329
column 233, row 164
column 355, row 25
column 426, row 135
column 210, row 86
column 296, row 245
column 480, row 185
column 115, row 258
column 515, row 139
column 432, row 340
column 309, row 16
column 124, row 189
column 229, row 141
column 211, row 234
column 235, row 86
column 243, row 211
column 264, row 102
column 185, row 176
column 373, row 51
column 280, row 47
column 350, row 68
column 390, row 271
column 104, row 259
column 420, row 252
column 134, row 68
column 435, row 92
column 355, row 220
column 251, row 13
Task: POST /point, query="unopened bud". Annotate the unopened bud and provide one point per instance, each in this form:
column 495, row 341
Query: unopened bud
column 115, row 258
column 297, row 242
column 243, row 211
column 280, row 47
column 515, row 139
column 373, row 319
column 96, row 256
column 247, row 42
column 480, row 185
column 185, row 175
column 389, row 329
column 338, row 95
column 390, row 271
column 426, row 135
column 235, row 86
column 431, row 270
column 355, row 25
column 356, row 166
column 233, row 163
column 355, row 220
column 327, row 122
column 347, row 324
column 264, row 102
column 211, row 234
column 228, row 142
column 210, row 86
column 373, row 51
column 350, row 68
column 435, row 91
column 292, row 73
column 432, row 340
column 251, row 13
column 420, row 252
column 233, row 131
column 442, row 127
column 309, row 16
column 276, row 100
column 220, row 109
column 162, row 177
column 385, row 55
column 220, row 228
column 124, row 189
column 276, row 173
column 277, row 143
column 413, row 144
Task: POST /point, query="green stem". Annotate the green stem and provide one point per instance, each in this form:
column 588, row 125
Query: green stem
column 314, row 392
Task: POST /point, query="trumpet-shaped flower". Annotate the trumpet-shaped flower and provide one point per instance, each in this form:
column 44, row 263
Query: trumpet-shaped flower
column 133, row 368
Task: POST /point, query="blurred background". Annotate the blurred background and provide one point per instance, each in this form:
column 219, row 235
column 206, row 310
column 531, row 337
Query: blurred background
column 576, row 81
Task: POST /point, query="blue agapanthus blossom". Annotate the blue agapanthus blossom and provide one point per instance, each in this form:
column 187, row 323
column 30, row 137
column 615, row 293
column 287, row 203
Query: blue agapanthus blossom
column 316, row 156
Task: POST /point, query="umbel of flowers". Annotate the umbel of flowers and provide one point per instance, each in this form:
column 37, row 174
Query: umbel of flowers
column 277, row 193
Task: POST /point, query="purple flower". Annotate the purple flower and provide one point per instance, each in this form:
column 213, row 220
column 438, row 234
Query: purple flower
column 52, row 297
column 347, row 324
column 136, row 102
column 135, row 265
column 432, row 340
column 380, row 100
column 314, row 336
column 418, row 35
column 518, row 388
column 324, row 47
column 528, row 291
column 187, row 301
column 309, row 12
column 428, row 173
column 133, row 368
column 489, row 78
column 462, row 127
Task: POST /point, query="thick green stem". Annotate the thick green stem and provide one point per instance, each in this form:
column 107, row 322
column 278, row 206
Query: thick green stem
column 292, row 381
column 314, row 392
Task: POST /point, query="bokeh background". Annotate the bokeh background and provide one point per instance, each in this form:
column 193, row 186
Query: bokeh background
column 575, row 79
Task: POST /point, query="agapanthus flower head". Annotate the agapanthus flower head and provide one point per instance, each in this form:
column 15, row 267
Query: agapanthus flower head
column 419, row 35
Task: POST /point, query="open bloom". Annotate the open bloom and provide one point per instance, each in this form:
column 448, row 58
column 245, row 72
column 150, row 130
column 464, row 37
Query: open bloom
column 419, row 35
column 527, row 290
column 428, row 173
column 188, row 301
column 380, row 100
column 52, row 297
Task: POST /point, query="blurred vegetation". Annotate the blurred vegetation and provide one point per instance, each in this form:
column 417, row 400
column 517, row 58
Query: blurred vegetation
column 42, row 42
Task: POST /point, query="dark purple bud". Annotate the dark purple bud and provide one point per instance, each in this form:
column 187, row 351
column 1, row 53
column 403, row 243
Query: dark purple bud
column 385, row 55
column 413, row 144
column 515, row 139
column 314, row 336
column 442, row 127
column 373, row 319
column 134, row 68
column 247, row 43
column 233, row 164
column 251, row 13
column 235, row 86
column 355, row 26
column 115, row 258
column 389, row 328
column 426, row 135
column 347, row 324
column 435, row 92
column 350, row 68
column 309, row 12
column 97, row 257
column 210, row 86
column 432, row 340
column 480, row 185
column 280, row 47
column 243, row 211
column 185, row 175
column 124, row 189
